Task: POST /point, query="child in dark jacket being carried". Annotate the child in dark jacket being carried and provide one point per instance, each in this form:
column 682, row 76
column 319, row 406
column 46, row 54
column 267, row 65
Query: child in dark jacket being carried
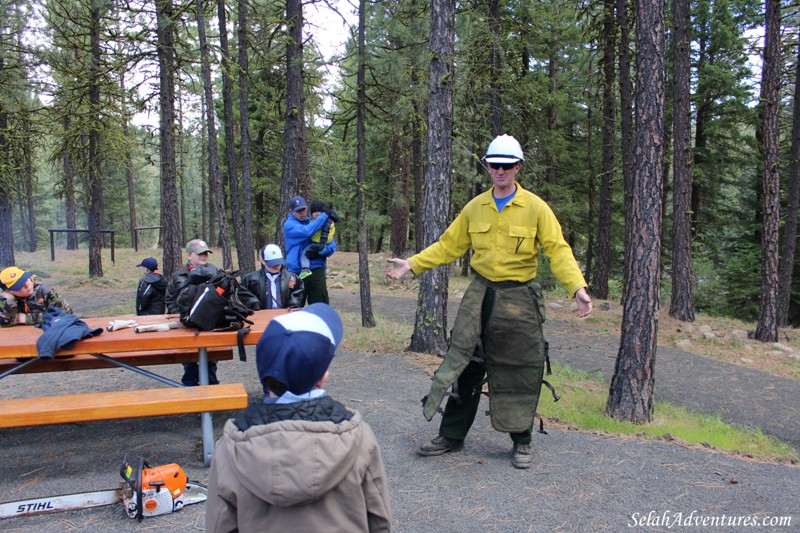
column 151, row 294
column 299, row 461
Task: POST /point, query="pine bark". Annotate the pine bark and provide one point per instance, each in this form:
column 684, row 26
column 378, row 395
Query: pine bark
column 398, row 210
column 94, row 189
column 625, row 105
column 70, row 208
column 170, row 227
column 244, row 247
column 367, row 317
column 603, row 251
column 495, row 97
column 789, row 248
column 244, row 127
column 215, row 180
column 767, row 327
column 631, row 391
column 128, row 162
column 6, row 207
column 30, row 190
column 682, row 303
column 430, row 327
column 294, row 176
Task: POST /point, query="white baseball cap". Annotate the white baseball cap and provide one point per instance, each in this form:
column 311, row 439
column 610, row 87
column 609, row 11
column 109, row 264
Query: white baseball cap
column 272, row 255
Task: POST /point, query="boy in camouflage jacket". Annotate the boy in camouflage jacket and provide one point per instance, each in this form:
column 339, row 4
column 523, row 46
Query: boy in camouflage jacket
column 23, row 300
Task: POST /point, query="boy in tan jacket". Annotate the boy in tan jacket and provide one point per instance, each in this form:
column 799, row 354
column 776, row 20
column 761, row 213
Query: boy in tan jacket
column 299, row 461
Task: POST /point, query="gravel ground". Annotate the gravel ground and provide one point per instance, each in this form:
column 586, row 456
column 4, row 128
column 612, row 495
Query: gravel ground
column 579, row 481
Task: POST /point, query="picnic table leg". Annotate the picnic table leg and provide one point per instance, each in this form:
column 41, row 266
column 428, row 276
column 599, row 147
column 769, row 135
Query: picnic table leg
column 205, row 418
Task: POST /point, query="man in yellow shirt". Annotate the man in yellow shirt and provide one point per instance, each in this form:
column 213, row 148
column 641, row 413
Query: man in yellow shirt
column 500, row 317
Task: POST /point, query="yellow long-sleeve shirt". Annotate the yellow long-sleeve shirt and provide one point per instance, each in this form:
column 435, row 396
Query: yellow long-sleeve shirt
column 507, row 243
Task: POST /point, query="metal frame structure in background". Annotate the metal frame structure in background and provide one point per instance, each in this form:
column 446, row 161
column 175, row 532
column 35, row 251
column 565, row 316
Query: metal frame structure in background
column 58, row 230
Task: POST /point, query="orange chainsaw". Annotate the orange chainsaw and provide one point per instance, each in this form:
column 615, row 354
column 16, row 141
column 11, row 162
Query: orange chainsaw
column 146, row 491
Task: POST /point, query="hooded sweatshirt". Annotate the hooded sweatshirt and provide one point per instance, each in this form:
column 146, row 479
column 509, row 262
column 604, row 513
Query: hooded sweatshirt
column 305, row 466
column 151, row 294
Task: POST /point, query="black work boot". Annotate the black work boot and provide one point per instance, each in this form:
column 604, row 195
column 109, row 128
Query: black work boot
column 522, row 456
column 440, row 445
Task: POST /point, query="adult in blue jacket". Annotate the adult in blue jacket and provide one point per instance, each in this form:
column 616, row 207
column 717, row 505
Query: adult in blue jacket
column 297, row 232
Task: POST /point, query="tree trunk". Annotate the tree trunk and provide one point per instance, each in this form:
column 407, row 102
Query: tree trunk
column 367, row 318
column 215, row 180
column 702, row 119
column 767, row 328
column 495, row 97
column 399, row 199
column 682, row 304
column 631, row 392
column 591, row 180
column 417, row 163
column 294, row 177
column 94, row 188
column 207, row 229
column 30, row 189
column 788, row 252
column 182, row 173
column 128, row 161
column 6, row 190
column 430, row 327
column 244, row 248
column 170, row 229
column 625, row 105
column 244, row 143
column 70, row 208
column 603, row 253
column 552, row 119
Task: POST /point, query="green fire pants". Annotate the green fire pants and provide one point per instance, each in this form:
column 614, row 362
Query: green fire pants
column 507, row 320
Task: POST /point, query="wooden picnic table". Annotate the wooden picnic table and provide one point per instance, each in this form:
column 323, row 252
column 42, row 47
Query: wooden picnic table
column 20, row 342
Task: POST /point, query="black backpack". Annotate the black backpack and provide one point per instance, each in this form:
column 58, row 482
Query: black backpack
column 213, row 304
column 210, row 302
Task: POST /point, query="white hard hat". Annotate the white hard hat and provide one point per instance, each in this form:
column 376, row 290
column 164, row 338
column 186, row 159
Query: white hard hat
column 272, row 255
column 504, row 149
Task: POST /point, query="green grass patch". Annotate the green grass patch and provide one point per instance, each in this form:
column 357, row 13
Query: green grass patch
column 583, row 401
column 119, row 310
column 386, row 337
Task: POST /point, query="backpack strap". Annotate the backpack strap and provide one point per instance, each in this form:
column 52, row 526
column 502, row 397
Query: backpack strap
column 240, row 341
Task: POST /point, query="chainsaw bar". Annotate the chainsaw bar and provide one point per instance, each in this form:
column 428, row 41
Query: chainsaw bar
column 193, row 493
column 64, row 502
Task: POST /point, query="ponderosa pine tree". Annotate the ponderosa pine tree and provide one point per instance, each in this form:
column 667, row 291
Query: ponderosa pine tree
column 367, row 318
column 682, row 301
column 789, row 248
column 631, row 394
column 215, row 180
column 767, row 327
column 430, row 325
column 170, row 223
column 599, row 286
